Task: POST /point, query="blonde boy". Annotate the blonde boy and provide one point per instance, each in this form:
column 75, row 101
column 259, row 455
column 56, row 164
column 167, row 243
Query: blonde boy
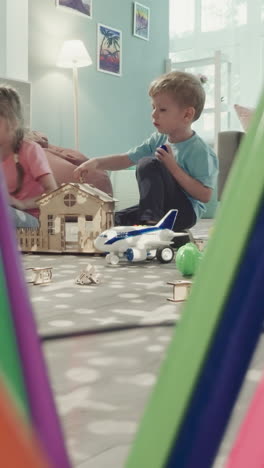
column 179, row 175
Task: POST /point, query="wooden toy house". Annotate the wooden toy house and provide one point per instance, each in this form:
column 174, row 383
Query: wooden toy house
column 71, row 217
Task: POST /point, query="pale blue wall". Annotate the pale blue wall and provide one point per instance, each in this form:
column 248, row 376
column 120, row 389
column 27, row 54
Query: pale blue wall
column 3, row 27
column 114, row 112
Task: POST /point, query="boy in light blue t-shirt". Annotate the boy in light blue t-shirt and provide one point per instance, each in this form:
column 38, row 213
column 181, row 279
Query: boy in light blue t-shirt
column 180, row 175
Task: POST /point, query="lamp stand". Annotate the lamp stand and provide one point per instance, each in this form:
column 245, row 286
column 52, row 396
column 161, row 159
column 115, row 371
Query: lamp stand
column 75, row 105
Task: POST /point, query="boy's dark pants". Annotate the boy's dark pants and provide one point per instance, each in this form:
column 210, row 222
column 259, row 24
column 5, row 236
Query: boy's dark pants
column 159, row 192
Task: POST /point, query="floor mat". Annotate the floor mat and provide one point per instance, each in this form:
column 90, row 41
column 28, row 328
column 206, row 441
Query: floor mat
column 129, row 293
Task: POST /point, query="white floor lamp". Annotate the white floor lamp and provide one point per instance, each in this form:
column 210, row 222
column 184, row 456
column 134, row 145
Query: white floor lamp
column 73, row 54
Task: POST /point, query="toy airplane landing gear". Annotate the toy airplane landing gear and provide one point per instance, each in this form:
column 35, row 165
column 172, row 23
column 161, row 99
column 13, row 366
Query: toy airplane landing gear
column 165, row 254
column 112, row 259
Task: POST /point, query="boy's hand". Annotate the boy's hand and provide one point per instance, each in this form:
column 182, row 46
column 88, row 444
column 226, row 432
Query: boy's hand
column 87, row 166
column 165, row 154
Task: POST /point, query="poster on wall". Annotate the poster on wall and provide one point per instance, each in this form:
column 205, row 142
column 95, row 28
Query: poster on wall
column 141, row 21
column 109, row 50
column 81, row 7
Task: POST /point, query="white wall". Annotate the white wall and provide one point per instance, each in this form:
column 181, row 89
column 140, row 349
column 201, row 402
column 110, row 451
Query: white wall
column 114, row 112
column 14, row 39
column 2, row 37
column 125, row 188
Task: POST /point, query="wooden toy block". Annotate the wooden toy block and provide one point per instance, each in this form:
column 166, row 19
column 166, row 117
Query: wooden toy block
column 200, row 243
column 181, row 290
column 88, row 276
column 40, row 275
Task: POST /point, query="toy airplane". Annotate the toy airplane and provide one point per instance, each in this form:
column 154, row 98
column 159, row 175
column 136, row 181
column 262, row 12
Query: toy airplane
column 136, row 242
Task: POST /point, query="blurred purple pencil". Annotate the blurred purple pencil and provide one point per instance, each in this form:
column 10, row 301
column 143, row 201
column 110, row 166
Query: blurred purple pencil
column 42, row 407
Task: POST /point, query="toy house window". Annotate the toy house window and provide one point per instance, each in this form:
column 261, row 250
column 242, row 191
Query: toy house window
column 109, row 219
column 51, row 229
column 88, row 223
column 71, row 219
column 71, row 230
column 62, row 233
column 69, row 199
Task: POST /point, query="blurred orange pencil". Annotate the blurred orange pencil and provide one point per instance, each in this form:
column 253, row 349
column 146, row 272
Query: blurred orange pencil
column 18, row 445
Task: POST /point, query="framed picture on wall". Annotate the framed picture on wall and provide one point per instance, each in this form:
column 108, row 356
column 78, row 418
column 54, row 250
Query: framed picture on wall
column 109, row 50
column 81, row 7
column 141, row 21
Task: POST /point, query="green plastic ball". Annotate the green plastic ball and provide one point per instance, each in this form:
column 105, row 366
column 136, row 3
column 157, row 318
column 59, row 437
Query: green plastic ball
column 188, row 258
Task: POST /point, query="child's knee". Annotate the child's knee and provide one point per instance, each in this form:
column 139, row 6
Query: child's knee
column 147, row 164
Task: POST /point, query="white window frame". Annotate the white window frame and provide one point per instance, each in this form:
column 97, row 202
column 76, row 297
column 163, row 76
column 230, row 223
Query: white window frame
column 217, row 60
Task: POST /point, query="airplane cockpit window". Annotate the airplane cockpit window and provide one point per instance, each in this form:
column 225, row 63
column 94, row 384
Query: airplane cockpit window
column 121, row 235
column 111, row 234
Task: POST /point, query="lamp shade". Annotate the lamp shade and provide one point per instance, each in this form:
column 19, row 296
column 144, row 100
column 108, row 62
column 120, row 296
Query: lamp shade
column 73, row 54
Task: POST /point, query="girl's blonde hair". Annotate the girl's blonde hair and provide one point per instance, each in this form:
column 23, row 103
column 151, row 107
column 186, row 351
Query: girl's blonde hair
column 185, row 88
column 11, row 110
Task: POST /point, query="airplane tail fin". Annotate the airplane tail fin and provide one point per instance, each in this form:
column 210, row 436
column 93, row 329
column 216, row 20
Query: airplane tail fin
column 167, row 222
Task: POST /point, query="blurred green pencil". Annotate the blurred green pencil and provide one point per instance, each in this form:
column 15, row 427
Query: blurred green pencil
column 10, row 363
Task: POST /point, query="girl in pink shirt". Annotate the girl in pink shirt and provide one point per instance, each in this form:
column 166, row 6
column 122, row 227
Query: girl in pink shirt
column 24, row 163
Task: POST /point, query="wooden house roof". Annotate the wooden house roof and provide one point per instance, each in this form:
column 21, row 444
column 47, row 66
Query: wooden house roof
column 84, row 188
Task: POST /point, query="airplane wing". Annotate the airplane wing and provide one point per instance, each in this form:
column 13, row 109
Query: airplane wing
column 148, row 244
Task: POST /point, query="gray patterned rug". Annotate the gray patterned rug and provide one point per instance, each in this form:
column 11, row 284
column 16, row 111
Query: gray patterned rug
column 129, row 293
column 101, row 383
